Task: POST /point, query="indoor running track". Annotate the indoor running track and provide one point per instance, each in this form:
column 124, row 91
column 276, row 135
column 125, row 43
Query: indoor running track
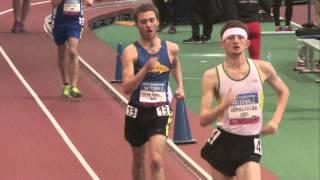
column 51, row 137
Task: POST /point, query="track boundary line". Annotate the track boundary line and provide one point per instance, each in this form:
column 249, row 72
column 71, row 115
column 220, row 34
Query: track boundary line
column 54, row 122
column 32, row 4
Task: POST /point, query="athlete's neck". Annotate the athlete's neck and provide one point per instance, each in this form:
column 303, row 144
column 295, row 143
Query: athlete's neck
column 152, row 45
column 235, row 62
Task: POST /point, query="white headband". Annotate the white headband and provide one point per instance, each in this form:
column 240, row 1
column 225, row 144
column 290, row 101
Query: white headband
column 234, row 31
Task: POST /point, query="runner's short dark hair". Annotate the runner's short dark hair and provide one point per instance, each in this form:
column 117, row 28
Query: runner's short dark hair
column 144, row 8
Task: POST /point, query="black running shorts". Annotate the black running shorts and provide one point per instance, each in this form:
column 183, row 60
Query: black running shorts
column 226, row 151
column 141, row 123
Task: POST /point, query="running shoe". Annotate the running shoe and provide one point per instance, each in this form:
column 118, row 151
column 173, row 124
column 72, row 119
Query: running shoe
column 75, row 92
column 18, row 27
column 172, row 30
column 288, row 28
column 278, row 28
column 66, row 91
column 205, row 39
column 15, row 27
column 192, row 40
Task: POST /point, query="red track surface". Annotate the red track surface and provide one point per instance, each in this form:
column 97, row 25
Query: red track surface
column 31, row 148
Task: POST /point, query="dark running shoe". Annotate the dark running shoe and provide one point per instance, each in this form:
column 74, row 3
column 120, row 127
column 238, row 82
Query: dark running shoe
column 172, row 30
column 192, row 40
column 205, row 39
column 278, row 28
column 15, row 27
column 18, row 27
column 288, row 28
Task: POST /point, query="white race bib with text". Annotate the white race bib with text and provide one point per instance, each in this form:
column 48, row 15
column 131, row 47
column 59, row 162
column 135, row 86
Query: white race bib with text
column 153, row 93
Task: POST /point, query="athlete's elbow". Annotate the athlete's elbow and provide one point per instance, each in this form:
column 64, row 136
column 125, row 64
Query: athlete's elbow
column 285, row 92
column 126, row 89
column 203, row 123
column 203, row 120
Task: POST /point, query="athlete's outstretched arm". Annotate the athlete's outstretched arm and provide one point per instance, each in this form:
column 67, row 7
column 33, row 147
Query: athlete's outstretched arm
column 176, row 70
column 283, row 94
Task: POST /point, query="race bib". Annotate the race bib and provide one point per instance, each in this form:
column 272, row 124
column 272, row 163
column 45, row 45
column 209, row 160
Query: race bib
column 152, row 93
column 131, row 111
column 257, row 146
column 163, row 110
column 71, row 7
column 245, row 109
column 214, row 135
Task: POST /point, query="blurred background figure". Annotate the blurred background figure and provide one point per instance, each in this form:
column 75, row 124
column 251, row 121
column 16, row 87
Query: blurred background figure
column 167, row 14
column 317, row 9
column 288, row 15
column 247, row 11
column 20, row 12
column 201, row 14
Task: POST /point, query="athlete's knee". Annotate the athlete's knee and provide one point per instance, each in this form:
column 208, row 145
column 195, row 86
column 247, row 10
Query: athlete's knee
column 156, row 162
column 139, row 160
column 73, row 52
column 61, row 54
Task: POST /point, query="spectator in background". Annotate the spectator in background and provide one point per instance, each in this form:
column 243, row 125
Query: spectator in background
column 167, row 15
column 247, row 11
column 317, row 10
column 20, row 12
column 173, row 17
column 201, row 14
column 288, row 15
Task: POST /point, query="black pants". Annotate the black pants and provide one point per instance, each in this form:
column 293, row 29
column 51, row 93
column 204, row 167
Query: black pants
column 167, row 12
column 201, row 14
column 276, row 12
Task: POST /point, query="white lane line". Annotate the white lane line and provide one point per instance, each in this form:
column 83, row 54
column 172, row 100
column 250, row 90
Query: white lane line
column 64, row 136
column 191, row 78
column 32, row 4
column 202, row 55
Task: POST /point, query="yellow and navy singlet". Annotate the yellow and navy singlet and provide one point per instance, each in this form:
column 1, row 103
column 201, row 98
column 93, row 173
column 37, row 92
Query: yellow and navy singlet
column 153, row 90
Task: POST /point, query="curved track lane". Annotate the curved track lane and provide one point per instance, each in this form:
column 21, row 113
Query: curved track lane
column 94, row 124
column 31, row 148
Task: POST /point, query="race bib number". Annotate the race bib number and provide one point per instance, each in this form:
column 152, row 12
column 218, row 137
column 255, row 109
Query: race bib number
column 214, row 135
column 152, row 93
column 131, row 111
column 81, row 21
column 257, row 146
column 245, row 110
column 71, row 7
column 163, row 110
